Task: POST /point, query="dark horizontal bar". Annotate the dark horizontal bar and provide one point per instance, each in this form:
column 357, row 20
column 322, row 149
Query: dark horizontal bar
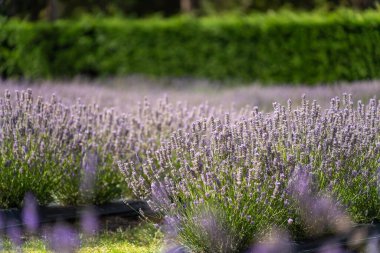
column 51, row 214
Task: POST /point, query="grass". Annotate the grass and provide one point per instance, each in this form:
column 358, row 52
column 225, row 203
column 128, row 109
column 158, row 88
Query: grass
column 141, row 239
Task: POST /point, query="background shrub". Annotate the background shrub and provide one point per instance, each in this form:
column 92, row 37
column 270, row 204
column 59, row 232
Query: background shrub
column 271, row 48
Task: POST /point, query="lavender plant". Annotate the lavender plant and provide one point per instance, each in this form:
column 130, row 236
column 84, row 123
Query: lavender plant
column 245, row 173
column 25, row 152
column 68, row 153
column 48, row 149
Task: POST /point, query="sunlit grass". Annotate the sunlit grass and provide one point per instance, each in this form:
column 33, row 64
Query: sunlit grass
column 142, row 239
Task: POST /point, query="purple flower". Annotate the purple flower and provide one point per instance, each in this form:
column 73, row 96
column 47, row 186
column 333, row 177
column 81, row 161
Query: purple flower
column 30, row 213
column 63, row 239
column 89, row 221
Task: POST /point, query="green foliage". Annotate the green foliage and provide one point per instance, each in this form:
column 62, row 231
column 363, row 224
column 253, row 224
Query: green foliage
column 281, row 47
column 247, row 6
column 22, row 175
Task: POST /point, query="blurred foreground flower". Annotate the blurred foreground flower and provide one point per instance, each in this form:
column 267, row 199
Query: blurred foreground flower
column 319, row 214
column 276, row 241
column 63, row 239
column 89, row 221
column 30, row 213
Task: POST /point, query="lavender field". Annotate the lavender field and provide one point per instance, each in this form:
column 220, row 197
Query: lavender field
column 121, row 94
column 238, row 169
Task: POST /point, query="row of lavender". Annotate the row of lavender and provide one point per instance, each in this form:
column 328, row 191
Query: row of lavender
column 225, row 183
column 67, row 153
column 223, row 179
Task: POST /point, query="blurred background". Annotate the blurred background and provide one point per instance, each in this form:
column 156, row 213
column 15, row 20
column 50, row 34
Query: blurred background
column 306, row 42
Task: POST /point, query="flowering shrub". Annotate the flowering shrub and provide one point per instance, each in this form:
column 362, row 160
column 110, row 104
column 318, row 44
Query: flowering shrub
column 68, row 153
column 24, row 151
column 225, row 182
column 58, row 151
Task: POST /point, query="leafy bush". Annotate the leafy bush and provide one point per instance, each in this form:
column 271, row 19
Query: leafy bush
column 226, row 182
column 282, row 47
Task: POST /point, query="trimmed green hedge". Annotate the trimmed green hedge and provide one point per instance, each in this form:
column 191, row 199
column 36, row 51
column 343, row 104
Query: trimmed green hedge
column 271, row 48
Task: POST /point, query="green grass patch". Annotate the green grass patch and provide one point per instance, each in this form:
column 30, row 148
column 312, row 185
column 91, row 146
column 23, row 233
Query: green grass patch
column 142, row 239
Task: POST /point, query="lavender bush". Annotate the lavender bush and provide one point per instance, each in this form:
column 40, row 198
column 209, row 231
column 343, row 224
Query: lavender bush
column 225, row 182
column 68, row 153
column 24, row 152
column 58, row 151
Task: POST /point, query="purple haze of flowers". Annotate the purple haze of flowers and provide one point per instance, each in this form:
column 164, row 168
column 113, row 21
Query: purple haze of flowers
column 89, row 221
column 63, row 239
column 30, row 213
